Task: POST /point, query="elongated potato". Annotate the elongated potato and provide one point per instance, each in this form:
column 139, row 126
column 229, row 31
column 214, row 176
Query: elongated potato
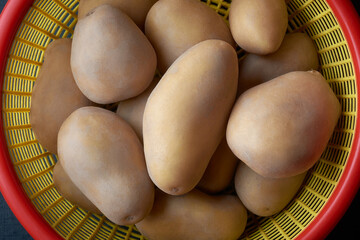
column 111, row 58
column 281, row 127
column 296, row 53
column 174, row 26
column 54, row 84
column 194, row 214
column 132, row 110
column 69, row 191
column 104, row 158
column 186, row 115
column 220, row 171
column 265, row 196
column 258, row 26
column 135, row 9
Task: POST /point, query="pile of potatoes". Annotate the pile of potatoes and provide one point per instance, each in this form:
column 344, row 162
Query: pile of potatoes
column 169, row 159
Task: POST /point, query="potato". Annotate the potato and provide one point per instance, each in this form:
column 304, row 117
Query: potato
column 258, row 26
column 186, row 114
column 265, row 196
column 55, row 84
column 132, row 110
column 111, row 58
column 174, row 26
column 296, row 53
column 135, row 9
column 194, row 216
column 104, row 158
column 220, row 171
column 281, row 127
column 68, row 190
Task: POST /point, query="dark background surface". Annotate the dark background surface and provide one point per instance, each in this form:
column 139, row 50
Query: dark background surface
column 348, row 227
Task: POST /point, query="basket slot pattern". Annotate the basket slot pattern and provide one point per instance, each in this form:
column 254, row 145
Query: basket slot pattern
column 51, row 19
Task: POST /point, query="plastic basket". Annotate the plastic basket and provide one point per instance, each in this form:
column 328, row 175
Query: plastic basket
column 27, row 27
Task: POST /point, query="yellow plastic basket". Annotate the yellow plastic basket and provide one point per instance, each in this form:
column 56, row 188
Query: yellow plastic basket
column 332, row 178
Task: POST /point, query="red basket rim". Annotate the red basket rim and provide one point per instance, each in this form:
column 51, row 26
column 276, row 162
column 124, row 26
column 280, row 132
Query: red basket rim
column 319, row 228
column 10, row 186
column 349, row 182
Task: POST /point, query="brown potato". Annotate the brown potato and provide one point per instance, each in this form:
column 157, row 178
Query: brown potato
column 55, row 84
column 135, row 9
column 186, row 115
column 258, row 26
column 174, row 26
column 111, row 58
column 195, row 215
column 220, row 171
column 68, row 190
column 104, row 158
column 132, row 110
column 281, row 127
column 296, row 53
column 265, row 196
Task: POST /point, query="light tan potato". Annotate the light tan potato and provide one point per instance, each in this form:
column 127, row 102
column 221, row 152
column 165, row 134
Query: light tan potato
column 135, row 9
column 132, row 110
column 258, row 26
column 55, row 94
column 111, row 58
column 195, row 215
column 104, row 158
column 69, row 191
column 281, row 127
column 174, row 26
column 220, row 171
column 296, row 53
column 186, row 115
column 265, row 196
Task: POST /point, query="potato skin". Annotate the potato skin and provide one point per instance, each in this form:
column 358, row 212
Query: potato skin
column 182, row 131
column 197, row 214
column 265, row 196
column 220, row 171
column 55, row 83
column 104, row 158
column 296, row 53
column 169, row 20
column 280, row 128
column 258, row 26
column 111, row 58
column 68, row 190
column 132, row 110
column 135, row 9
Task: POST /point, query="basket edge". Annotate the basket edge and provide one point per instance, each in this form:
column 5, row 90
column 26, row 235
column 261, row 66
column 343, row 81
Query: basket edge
column 10, row 186
column 349, row 183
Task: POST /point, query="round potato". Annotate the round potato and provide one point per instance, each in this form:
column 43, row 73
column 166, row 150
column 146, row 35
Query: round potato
column 111, row 58
column 186, row 114
column 280, row 128
column 104, row 158
column 265, row 196
column 174, row 26
column 296, row 53
column 132, row 110
column 69, row 191
column 220, row 171
column 194, row 214
column 55, row 83
column 135, row 9
column 258, row 26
